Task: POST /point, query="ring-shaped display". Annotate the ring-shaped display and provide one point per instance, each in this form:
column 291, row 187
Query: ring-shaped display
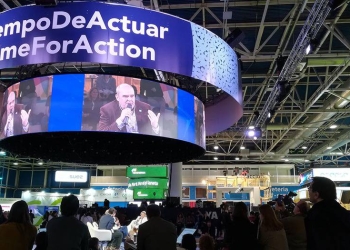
column 123, row 35
column 50, row 106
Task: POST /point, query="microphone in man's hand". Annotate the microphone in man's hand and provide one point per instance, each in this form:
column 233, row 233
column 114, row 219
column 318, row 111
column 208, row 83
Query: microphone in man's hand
column 126, row 119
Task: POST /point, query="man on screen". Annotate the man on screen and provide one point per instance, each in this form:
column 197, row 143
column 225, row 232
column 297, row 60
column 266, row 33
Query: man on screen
column 15, row 119
column 125, row 114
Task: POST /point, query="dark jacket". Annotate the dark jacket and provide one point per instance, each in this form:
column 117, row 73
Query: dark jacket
column 240, row 233
column 106, row 222
column 295, row 231
column 328, row 226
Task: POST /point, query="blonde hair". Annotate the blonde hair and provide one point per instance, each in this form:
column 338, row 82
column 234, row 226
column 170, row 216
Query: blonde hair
column 269, row 221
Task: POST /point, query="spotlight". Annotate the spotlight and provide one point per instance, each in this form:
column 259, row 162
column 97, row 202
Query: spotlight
column 2, row 153
column 242, row 147
column 255, row 137
column 237, row 158
column 329, row 147
column 40, row 162
column 216, row 147
column 311, row 47
column 216, row 158
column 304, row 147
column 15, row 163
column 251, row 127
column 333, row 126
column 256, row 132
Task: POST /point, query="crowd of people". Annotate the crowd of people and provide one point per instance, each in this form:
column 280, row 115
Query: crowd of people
column 326, row 226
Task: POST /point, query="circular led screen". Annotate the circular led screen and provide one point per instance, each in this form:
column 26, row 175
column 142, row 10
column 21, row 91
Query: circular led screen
column 61, row 104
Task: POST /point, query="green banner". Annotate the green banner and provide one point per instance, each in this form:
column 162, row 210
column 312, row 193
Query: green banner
column 148, row 183
column 140, row 172
column 149, row 194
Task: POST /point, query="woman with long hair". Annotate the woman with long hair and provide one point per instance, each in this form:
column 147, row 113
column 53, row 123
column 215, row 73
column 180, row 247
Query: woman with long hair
column 18, row 233
column 91, row 109
column 240, row 232
column 271, row 232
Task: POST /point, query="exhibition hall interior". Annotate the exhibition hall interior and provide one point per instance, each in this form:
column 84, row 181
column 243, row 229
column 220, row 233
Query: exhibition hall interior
column 229, row 119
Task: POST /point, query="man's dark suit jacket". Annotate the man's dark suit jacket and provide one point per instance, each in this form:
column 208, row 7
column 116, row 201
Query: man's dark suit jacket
column 17, row 122
column 111, row 112
column 156, row 234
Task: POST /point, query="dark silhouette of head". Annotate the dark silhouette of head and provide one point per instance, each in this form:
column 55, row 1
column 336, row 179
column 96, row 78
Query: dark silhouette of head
column 69, row 205
column 189, row 242
column 152, row 211
column 19, row 213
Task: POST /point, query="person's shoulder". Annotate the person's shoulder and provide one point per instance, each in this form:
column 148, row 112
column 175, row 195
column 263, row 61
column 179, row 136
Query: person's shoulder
column 142, row 105
column 110, row 105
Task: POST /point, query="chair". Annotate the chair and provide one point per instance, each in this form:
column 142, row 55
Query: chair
column 102, row 235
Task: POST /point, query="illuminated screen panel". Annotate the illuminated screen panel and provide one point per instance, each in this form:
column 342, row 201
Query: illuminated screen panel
column 149, row 194
column 109, row 103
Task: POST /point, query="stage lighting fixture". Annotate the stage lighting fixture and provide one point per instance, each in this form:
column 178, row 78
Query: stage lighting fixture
column 252, row 133
column 235, row 37
column 281, row 60
column 46, row 2
column 284, row 88
column 216, row 147
column 311, row 47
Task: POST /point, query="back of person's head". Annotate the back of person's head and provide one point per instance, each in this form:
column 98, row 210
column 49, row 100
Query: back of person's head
column 324, row 187
column 111, row 210
column 189, row 242
column 19, row 213
column 206, row 242
column 152, row 211
column 240, row 210
column 93, row 243
column 41, row 241
column 269, row 219
column 303, row 207
column 69, row 205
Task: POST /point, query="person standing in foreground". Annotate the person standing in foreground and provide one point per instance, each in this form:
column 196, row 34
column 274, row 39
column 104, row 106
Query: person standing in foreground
column 156, row 233
column 67, row 232
column 17, row 233
column 327, row 223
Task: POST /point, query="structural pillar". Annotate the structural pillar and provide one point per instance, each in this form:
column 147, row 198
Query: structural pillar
column 218, row 198
column 255, row 198
column 175, row 180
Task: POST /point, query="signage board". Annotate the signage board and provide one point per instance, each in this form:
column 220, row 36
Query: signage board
column 296, row 151
column 149, row 194
column 282, row 190
column 71, row 176
column 111, row 194
column 335, row 174
column 306, row 177
column 140, row 172
column 148, row 183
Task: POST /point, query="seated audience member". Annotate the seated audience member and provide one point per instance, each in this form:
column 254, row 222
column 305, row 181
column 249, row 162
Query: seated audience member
column 206, row 242
column 17, row 233
column 295, row 226
column 41, row 241
column 135, row 224
column 188, row 242
column 107, row 222
column 271, row 231
column 93, row 243
column 156, row 233
column 67, row 232
column 86, row 218
column 208, row 228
